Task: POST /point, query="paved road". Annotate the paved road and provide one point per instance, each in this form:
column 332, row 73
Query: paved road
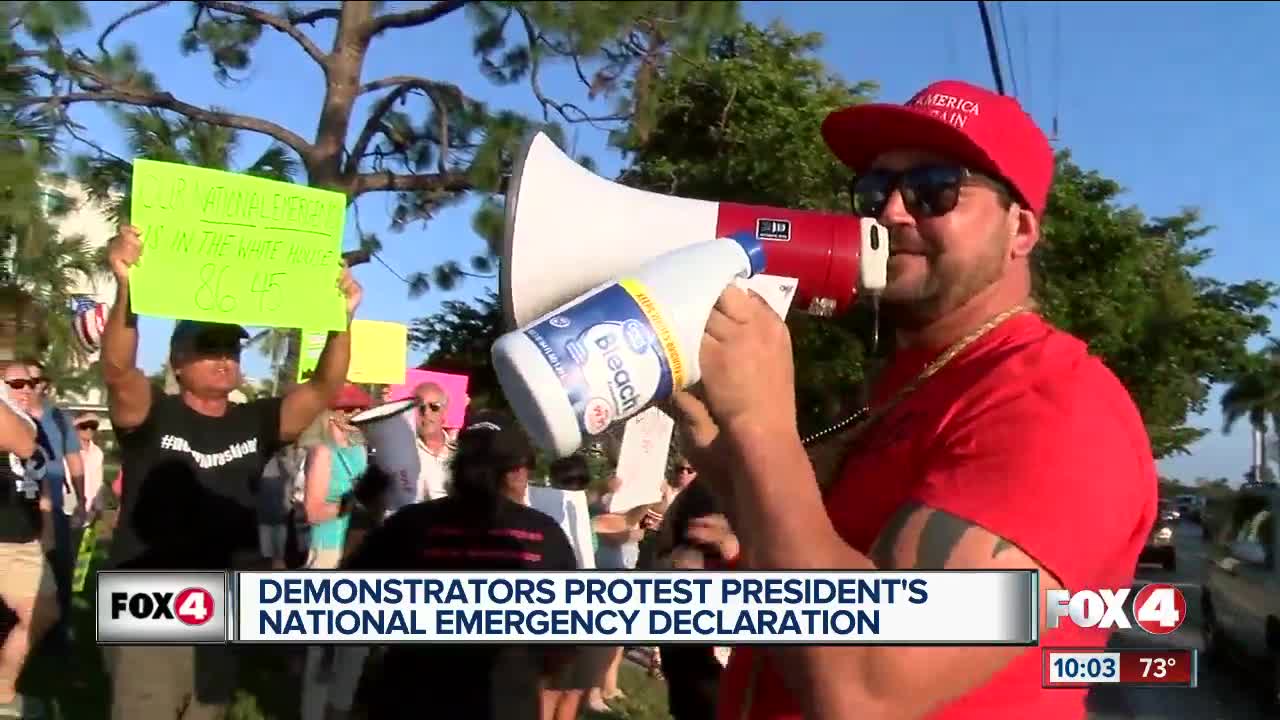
column 1223, row 694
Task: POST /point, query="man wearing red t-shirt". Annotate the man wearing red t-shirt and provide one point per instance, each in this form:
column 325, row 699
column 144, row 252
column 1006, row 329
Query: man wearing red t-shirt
column 1012, row 447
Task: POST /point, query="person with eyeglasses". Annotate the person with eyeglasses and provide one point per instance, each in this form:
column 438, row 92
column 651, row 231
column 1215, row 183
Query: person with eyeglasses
column 66, row 492
column 435, row 446
column 993, row 440
column 27, row 585
column 192, row 463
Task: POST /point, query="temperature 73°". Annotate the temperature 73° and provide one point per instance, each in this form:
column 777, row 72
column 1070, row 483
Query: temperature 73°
column 1156, row 667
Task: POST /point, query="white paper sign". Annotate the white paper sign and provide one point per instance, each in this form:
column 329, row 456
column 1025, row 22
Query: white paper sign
column 777, row 291
column 642, row 461
column 569, row 509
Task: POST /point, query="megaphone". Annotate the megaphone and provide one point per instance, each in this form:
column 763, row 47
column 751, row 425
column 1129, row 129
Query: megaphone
column 568, row 230
column 389, row 433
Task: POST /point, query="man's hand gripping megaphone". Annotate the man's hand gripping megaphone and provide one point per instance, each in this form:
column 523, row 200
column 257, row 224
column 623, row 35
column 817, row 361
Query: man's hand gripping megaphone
column 747, row 387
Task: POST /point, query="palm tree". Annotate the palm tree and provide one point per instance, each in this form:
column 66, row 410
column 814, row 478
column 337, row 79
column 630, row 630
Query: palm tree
column 40, row 267
column 155, row 135
column 1255, row 395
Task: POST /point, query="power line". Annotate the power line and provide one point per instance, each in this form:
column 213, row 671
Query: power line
column 1057, row 65
column 1008, row 52
column 992, row 55
column 1026, row 62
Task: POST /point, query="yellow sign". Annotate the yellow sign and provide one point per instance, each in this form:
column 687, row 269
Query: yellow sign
column 379, row 353
column 224, row 247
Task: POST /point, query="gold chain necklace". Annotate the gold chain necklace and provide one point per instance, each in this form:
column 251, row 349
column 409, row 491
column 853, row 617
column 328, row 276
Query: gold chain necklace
column 827, row 448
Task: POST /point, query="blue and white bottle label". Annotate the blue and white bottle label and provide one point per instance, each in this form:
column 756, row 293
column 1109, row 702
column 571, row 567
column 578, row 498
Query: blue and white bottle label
column 613, row 352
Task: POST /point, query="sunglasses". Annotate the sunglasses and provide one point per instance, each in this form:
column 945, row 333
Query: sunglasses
column 432, row 406
column 927, row 190
column 23, row 383
column 90, row 426
column 216, row 345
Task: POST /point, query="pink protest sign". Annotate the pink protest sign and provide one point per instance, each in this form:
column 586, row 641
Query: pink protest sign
column 455, row 386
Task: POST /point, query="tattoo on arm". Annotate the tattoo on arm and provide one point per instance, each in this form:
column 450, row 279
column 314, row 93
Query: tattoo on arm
column 940, row 536
column 938, row 539
column 882, row 552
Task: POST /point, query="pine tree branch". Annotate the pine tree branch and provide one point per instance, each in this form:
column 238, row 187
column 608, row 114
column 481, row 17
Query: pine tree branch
column 312, row 16
column 435, row 182
column 282, row 24
column 403, row 85
column 394, row 80
column 413, row 18
column 102, row 39
column 166, row 101
column 535, row 83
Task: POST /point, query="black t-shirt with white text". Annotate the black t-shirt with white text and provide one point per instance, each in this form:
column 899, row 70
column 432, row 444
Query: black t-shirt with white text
column 190, row 484
column 20, row 480
column 471, row 682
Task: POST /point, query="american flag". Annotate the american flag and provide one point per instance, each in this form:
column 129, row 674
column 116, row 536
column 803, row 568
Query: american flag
column 81, row 303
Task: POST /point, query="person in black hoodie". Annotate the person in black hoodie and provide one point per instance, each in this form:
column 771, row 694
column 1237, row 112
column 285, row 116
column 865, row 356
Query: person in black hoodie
column 483, row 524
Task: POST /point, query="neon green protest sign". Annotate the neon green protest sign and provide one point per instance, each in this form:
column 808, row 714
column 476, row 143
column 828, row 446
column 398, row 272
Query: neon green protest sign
column 231, row 248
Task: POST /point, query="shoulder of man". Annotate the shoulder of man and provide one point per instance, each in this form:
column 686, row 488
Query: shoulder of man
column 1058, row 464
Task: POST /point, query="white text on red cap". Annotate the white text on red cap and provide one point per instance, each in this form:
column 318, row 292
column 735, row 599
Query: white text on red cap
column 954, row 111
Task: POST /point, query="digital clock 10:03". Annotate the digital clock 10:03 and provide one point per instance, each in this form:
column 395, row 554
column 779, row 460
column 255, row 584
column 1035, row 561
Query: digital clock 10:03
column 1075, row 668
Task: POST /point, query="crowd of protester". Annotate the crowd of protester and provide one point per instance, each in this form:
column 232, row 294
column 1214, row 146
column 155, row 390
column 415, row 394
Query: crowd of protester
column 966, row 475
column 299, row 496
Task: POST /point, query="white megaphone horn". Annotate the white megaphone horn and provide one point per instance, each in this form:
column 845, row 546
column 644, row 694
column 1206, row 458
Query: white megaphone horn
column 568, row 230
column 391, row 437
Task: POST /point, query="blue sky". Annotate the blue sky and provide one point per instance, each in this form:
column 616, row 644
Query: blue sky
column 1161, row 97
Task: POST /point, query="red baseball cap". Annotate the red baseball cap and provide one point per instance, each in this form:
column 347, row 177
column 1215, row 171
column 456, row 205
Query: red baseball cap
column 985, row 131
column 351, row 397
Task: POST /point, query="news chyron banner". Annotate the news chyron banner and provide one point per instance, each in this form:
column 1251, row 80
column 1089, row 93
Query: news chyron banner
column 583, row 607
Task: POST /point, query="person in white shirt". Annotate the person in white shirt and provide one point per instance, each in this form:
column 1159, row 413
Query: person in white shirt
column 435, row 443
column 91, row 458
column 91, row 455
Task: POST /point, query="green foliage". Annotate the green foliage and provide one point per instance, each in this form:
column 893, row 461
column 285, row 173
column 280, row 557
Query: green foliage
column 744, row 127
column 1255, row 393
column 169, row 137
column 458, row 338
column 429, row 143
column 1128, row 285
column 41, row 267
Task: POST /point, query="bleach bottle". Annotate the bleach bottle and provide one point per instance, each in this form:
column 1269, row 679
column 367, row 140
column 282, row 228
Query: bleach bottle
column 616, row 349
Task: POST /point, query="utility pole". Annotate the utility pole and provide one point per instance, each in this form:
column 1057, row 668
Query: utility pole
column 991, row 46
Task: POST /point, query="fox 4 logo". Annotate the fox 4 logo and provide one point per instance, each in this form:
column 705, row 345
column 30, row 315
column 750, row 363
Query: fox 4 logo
column 1158, row 609
column 192, row 606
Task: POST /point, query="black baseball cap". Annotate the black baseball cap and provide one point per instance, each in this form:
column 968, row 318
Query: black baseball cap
column 199, row 335
column 496, row 438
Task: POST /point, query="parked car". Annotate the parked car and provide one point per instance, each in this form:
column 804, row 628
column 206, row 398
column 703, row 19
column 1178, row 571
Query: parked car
column 1191, row 507
column 1241, row 591
column 1159, row 548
